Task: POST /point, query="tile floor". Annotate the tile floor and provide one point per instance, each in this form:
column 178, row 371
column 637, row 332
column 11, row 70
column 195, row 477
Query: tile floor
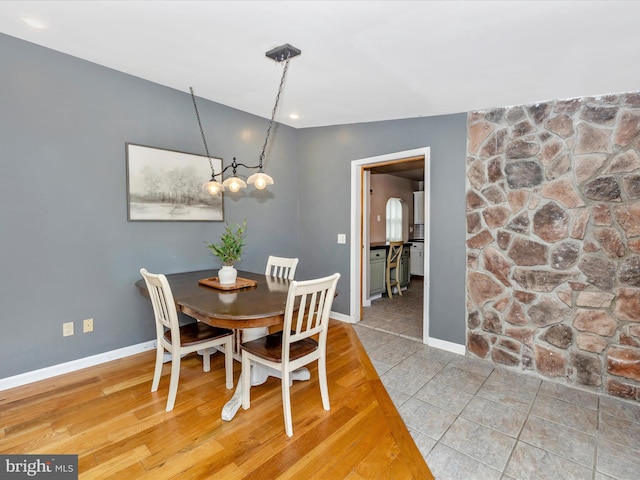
column 400, row 314
column 474, row 420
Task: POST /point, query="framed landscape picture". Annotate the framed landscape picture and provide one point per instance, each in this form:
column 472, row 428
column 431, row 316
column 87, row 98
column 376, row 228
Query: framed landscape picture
column 166, row 185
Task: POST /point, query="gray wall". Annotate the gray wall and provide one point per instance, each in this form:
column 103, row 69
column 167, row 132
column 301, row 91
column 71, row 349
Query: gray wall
column 68, row 253
column 325, row 169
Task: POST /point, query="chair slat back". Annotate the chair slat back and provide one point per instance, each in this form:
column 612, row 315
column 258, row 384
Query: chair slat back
column 281, row 267
column 395, row 252
column 164, row 307
column 307, row 311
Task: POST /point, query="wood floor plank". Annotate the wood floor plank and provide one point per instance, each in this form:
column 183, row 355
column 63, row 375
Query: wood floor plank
column 347, row 442
column 108, row 416
column 117, row 465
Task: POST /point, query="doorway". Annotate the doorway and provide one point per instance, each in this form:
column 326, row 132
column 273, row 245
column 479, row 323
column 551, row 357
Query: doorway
column 361, row 171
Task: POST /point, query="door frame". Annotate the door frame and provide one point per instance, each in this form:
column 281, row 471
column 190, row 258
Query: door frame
column 360, row 230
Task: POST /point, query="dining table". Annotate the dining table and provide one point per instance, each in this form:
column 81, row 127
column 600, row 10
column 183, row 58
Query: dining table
column 249, row 308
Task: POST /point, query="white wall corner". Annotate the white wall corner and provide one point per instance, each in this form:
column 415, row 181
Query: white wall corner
column 342, row 317
column 448, row 346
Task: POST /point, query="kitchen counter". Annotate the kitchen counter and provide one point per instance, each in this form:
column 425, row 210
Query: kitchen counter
column 385, row 245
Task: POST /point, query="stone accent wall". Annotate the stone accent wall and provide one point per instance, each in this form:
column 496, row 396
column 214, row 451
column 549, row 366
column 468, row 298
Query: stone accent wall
column 553, row 240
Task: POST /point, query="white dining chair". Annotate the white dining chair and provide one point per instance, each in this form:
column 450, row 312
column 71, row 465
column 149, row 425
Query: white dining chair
column 306, row 314
column 281, row 267
column 181, row 340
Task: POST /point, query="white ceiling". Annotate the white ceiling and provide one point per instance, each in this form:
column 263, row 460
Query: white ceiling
column 361, row 60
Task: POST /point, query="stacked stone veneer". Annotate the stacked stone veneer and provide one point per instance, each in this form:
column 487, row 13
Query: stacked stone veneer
column 553, row 240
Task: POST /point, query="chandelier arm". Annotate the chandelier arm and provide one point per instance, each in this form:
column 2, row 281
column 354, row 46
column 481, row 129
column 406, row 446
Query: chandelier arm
column 204, row 140
column 235, row 165
column 275, row 108
column 246, row 166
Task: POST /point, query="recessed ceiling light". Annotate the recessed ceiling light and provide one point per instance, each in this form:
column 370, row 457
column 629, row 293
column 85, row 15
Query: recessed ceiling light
column 293, row 116
column 35, row 23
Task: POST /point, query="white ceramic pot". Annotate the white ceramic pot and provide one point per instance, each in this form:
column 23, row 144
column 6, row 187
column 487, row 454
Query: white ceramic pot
column 227, row 275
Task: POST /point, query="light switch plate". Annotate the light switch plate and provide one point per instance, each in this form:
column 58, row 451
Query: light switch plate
column 342, row 238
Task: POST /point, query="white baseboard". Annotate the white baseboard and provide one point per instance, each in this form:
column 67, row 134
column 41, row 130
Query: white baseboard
column 342, row 317
column 72, row 366
column 448, row 346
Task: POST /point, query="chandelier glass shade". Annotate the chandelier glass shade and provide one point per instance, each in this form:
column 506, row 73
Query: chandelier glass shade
column 213, row 187
column 259, row 180
column 234, row 184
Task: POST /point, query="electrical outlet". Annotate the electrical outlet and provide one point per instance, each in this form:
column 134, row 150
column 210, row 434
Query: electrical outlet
column 67, row 329
column 342, row 238
column 87, row 325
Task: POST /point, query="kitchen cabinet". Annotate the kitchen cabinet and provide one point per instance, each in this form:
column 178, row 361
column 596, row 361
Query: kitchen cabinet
column 418, row 208
column 404, row 267
column 417, row 259
column 377, row 265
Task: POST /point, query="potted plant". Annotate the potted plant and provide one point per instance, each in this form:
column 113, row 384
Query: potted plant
column 229, row 251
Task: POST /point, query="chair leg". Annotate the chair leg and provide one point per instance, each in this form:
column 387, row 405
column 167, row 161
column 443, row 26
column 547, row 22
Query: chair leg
column 157, row 373
column 322, row 377
column 245, row 378
column 389, row 293
column 175, row 377
column 206, row 360
column 286, row 403
column 228, row 362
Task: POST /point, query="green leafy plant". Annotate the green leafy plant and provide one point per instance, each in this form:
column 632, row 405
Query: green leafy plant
column 229, row 248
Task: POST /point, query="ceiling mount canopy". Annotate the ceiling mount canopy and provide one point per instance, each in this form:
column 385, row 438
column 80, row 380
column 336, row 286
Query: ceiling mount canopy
column 281, row 54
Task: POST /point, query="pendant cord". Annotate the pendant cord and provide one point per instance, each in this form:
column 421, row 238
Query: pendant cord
column 204, row 140
column 273, row 112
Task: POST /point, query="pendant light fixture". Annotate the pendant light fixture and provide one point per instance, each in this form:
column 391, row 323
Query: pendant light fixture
column 260, row 180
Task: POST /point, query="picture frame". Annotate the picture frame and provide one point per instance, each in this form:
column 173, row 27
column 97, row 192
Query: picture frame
column 166, row 185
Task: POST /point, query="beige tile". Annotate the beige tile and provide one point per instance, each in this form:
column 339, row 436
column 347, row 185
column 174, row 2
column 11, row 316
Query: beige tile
column 561, row 440
column 426, row 418
column 620, row 431
column 447, row 463
column 479, row 442
column 445, row 396
column 568, row 394
column 531, row 463
column 566, row 413
column 495, row 415
column 624, row 409
column 404, row 380
column 617, row 462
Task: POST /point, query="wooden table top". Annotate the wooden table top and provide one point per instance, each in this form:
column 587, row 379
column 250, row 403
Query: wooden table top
column 259, row 306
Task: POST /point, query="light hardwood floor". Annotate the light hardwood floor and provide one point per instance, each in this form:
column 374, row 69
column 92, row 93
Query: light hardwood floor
column 119, row 429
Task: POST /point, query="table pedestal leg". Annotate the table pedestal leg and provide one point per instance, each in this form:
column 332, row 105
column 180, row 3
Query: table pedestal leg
column 259, row 375
column 232, row 406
